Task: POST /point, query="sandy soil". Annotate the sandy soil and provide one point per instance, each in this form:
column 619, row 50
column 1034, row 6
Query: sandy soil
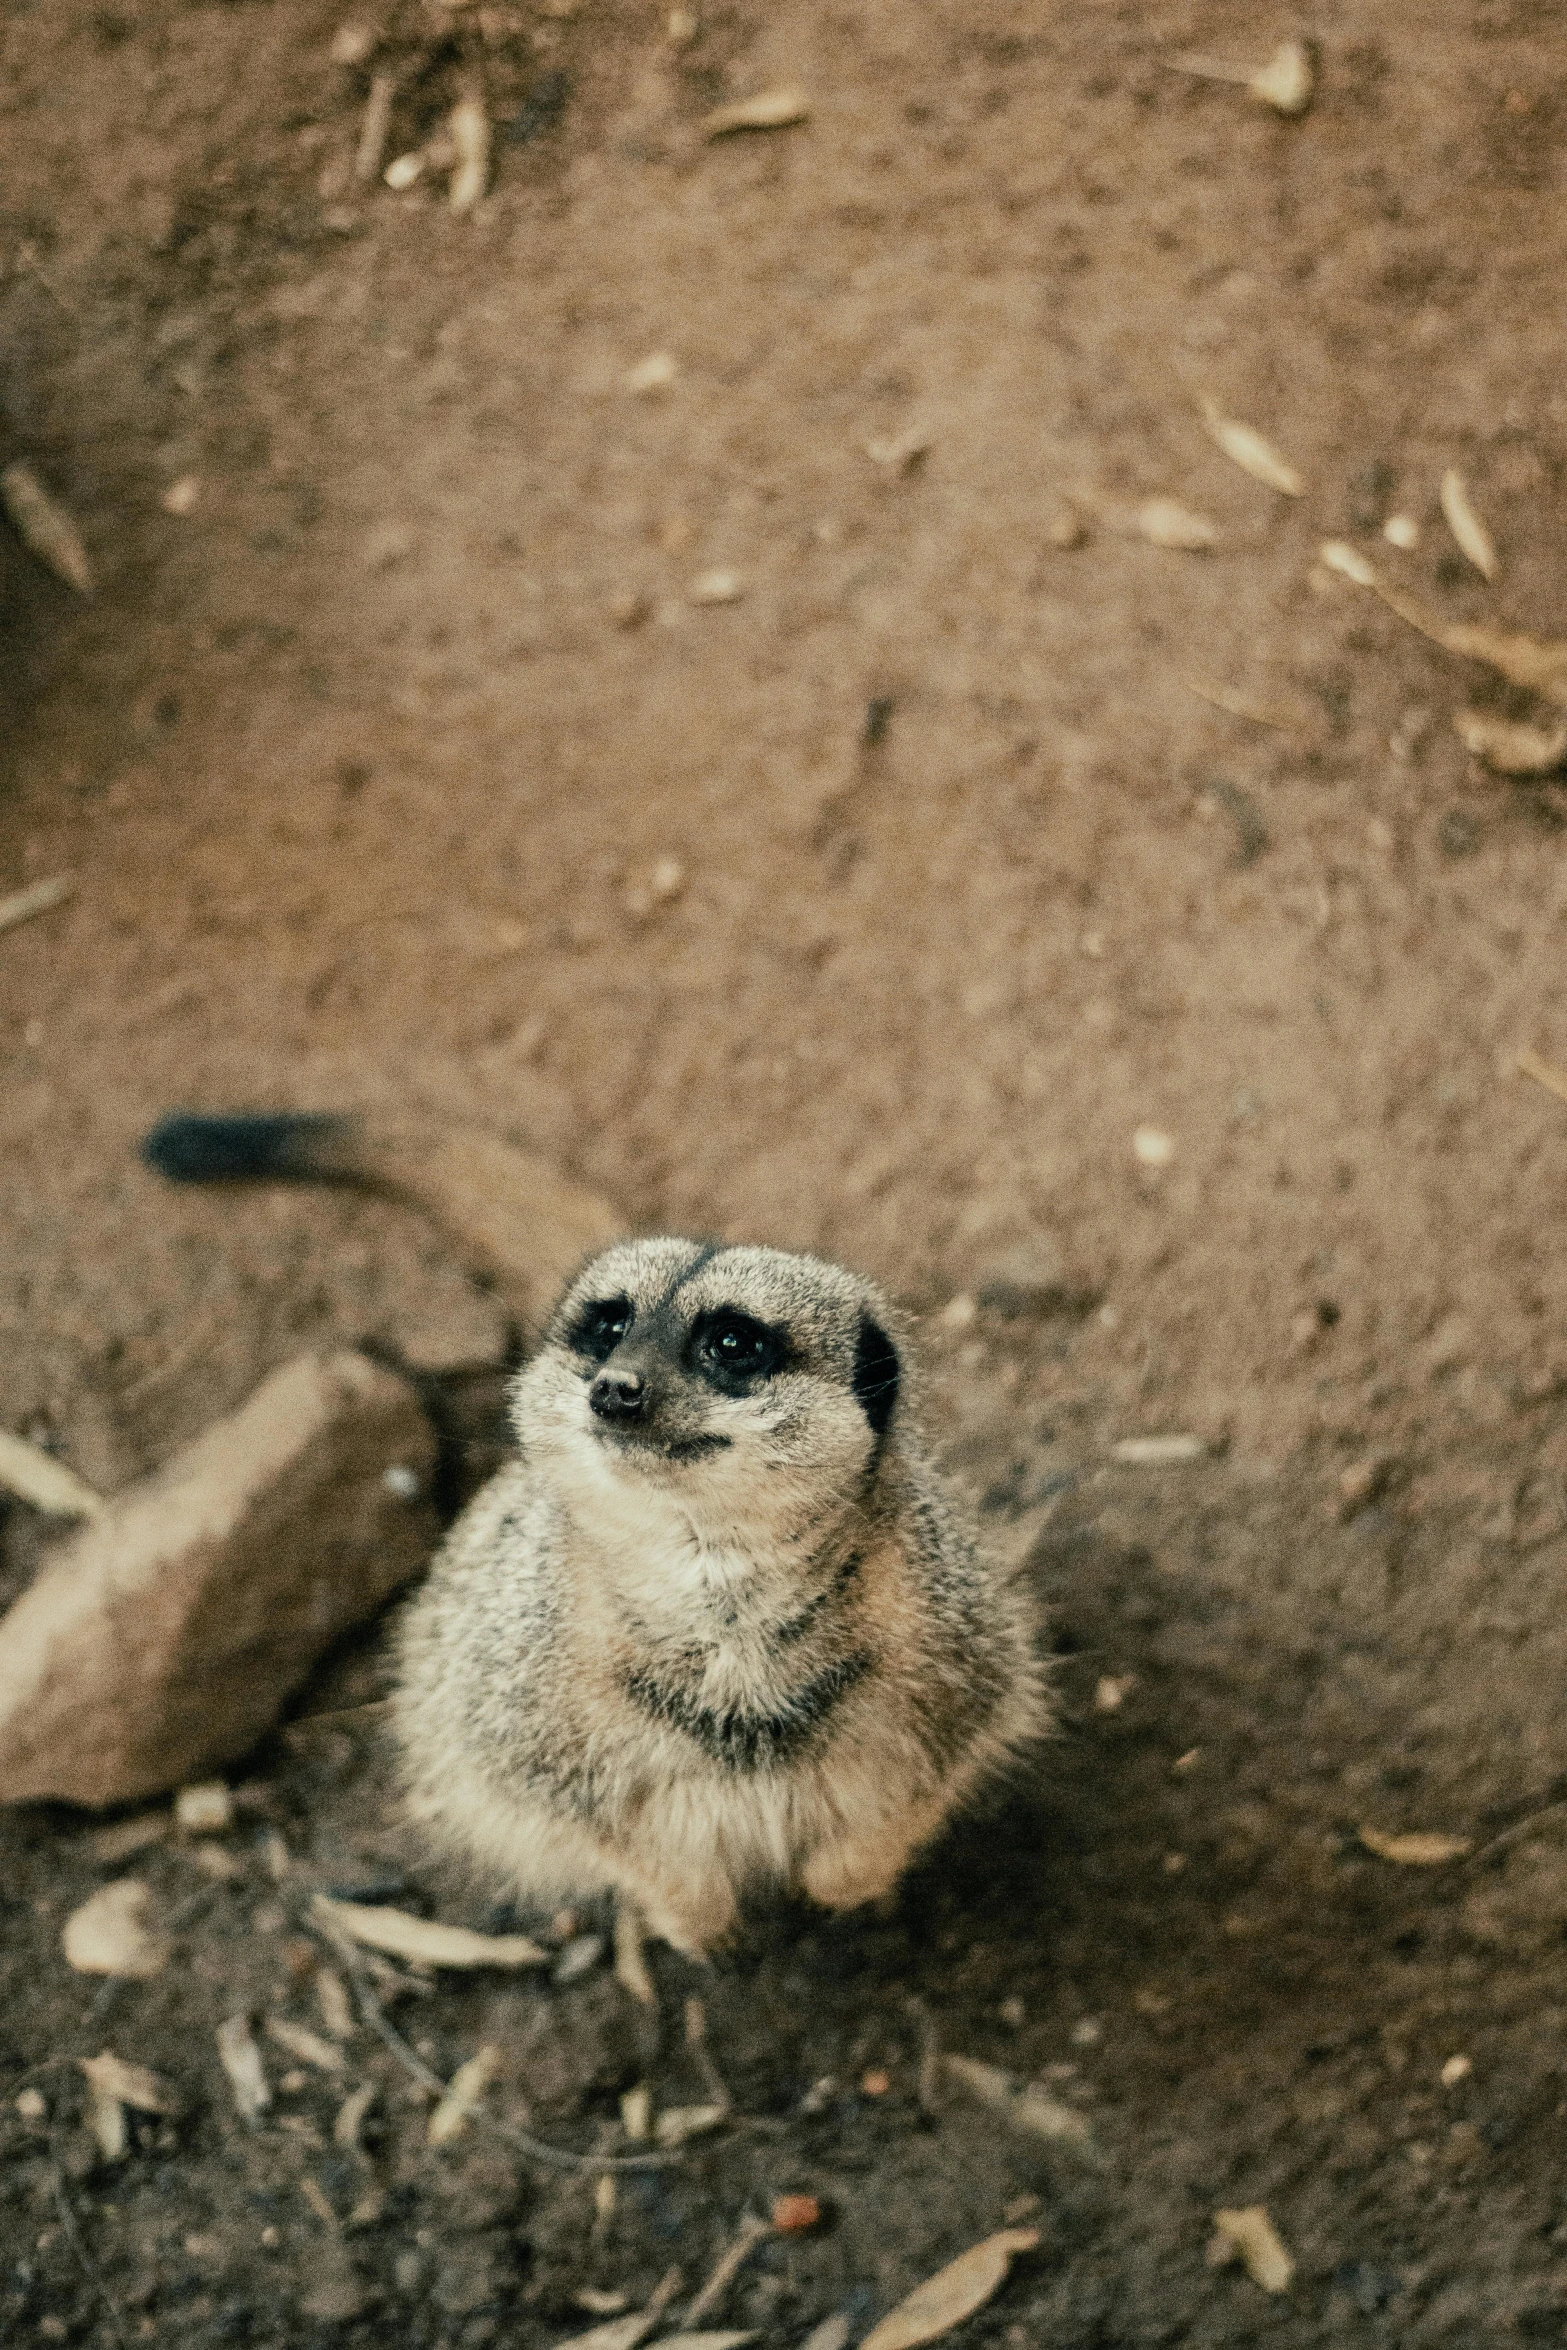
column 877, row 909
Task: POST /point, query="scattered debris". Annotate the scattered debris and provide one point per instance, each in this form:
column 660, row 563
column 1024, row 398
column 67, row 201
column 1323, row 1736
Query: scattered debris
column 1402, row 531
column 241, row 2060
column 353, row 43
column 43, row 1482
column 769, row 110
column 636, row 2114
column 463, row 2093
column 1031, row 2109
column 1554, row 1080
column 656, row 373
column 114, row 1844
column 752, row 2232
column 1537, row 663
column 1165, row 522
column 631, row 1967
column 715, row 2341
column 715, row 587
column 900, row 452
column 182, row 495
column 205, row 1809
column 1239, row 705
column 624, row 2333
column 1250, row 451
column 44, row 527
column 1251, row 2237
column 163, row 1639
column 1286, row 83
column 793, row 2215
column 469, row 127
column 832, row 2334
column 1456, row 2069
column 1151, row 1147
column 1158, row 1452
column 677, row 2123
column 374, row 129
column 347, row 2128
column 132, row 2084
column 308, row 2046
column 680, row 28
column 1510, row 749
column 39, row 897
column 660, row 885
column 1422, row 1849
column 952, row 2294
column 404, row 171
column 1363, row 1482
column 332, row 1999
column 32, row 2105
column 110, row 1933
column 401, row 1935
column 1067, row 529
column 1111, row 1691
column 1465, row 524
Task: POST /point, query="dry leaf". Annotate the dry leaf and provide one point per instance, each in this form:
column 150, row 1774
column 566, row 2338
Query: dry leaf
column 769, row 110
column 241, row 2060
column 1465, row 523
column 952, row 2294
column 37, row 1476
column 420, row 1939
column 469, row 127
column 129, row 2084
column 308, row 2046
column 109, row 1934
column 624, row 2333
column 1424, row 1849
column 1164, row 522
column 1508, row 749
column 1251, row 2237
column 43, row 525
column 464, row 2091
column 1348, row 561
column 1251, row 452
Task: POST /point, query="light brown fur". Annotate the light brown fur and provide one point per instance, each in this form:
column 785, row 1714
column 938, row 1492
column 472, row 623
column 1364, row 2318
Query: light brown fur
column 747, row 1638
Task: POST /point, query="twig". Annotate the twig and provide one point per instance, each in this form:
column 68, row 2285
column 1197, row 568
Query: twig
column 752, row 2231
column 929, row 2091
column 549, row 2157
column 702, row 2056
column 73, row 2236
column 1509, row 1836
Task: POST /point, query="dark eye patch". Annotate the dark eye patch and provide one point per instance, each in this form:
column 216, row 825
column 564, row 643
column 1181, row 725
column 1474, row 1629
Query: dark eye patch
column 877, row 1374
column 734, row 1349
column 600, row 1326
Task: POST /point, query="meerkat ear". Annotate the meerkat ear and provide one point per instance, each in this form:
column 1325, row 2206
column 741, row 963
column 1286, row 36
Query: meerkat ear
column 877, row 1372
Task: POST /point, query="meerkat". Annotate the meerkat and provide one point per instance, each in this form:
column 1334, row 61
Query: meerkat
column 722, row 1622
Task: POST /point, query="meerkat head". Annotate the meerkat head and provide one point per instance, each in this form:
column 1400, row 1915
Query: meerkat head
column 729, row 1377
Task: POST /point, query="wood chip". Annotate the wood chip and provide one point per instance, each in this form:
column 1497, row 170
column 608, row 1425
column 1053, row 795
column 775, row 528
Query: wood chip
column 952, row 2294
column 1164, row 522
column 404, row 172
column 715, row 587
column 464, row 2093
column 131, row 2084
column 44, row 527
column 1338, row 555
column 36, row 1476
column 1554, row 1080
column 469, row 126
column 1158, row 1452
column 1251, row 452
column 374, row 128
column 332, row 1999
column 107, row 2118
column 624, row 2333
column 39, row 897
column 1251, row 2237
column 110, row 1935
column 631, row 1968
column 1423, row 1849
column 1465, row 524
column 656, row 373
column 351, row 2114
column 1286, row 83
column 308, row 2046
column 1508, row 749
column 401, row 1935
column 205, row 1809
column 769, row 110
column 677, row 2123
column 241, row 2060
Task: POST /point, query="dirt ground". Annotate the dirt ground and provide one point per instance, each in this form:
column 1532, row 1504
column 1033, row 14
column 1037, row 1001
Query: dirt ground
column 877, row 909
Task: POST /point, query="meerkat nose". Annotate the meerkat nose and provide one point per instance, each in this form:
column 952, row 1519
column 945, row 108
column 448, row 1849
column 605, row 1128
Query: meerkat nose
column 618, row 1395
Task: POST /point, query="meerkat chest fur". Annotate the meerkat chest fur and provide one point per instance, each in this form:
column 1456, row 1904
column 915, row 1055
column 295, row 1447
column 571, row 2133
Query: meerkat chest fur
column 721, row 1619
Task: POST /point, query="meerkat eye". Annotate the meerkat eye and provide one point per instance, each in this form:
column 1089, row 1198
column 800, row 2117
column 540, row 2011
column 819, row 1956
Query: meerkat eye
column 601, row 1326
column 733, row 1346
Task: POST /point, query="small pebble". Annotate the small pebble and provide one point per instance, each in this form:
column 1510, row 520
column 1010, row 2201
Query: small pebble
column 205, row 1809
column 653, row 374
column 1151, row 1147
column 793, row 2214
column 1456, row 2069
column 32, row 2105
column 716, row 587
column 1401, row 530
column 180, row 497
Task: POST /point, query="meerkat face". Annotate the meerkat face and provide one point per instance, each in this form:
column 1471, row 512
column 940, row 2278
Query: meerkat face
column 738, row 1380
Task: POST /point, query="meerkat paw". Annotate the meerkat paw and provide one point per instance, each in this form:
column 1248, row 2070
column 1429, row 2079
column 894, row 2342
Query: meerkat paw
column 847, row 1876
column 695, row 1920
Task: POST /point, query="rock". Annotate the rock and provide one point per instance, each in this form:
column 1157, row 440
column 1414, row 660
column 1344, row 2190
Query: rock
column 160, row 1642
column 110, row 1935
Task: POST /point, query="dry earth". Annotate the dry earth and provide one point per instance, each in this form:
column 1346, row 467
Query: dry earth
column 877, row 910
